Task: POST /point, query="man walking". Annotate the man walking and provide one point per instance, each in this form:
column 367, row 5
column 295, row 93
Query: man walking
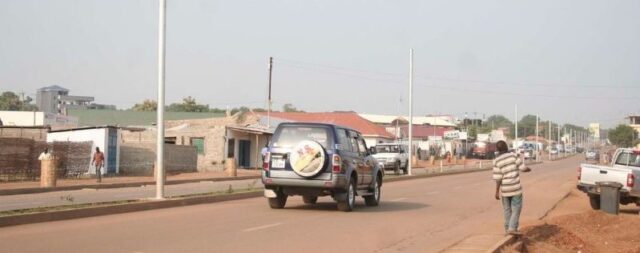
column 506, row 173
column 98, row 160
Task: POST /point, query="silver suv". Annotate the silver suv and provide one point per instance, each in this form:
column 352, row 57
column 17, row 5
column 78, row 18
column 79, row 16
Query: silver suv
column 313, row 160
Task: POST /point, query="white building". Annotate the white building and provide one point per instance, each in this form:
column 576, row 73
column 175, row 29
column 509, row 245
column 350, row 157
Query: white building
column 104, row 137
column 22, row 118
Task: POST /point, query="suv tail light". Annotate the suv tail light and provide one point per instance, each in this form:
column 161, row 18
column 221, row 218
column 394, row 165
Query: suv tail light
column 265, row 162
column 631, row 178
column 579, row 172
column 336, row 164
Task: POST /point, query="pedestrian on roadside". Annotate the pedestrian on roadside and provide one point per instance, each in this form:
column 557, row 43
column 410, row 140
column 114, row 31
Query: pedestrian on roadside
column 45, row 155
column 98, row 161
column 264, row 151
column 506, row 172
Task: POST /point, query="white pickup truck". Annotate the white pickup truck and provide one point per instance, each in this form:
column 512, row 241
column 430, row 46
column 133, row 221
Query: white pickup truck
column 625, row 169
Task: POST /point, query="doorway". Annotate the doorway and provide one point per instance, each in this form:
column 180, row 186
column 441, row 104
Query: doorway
column 244, row 153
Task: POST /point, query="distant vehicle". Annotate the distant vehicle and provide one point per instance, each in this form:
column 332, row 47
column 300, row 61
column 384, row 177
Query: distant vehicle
column 560, row 148
column 392, row 156
column 484, row 150
column 553, row 151
column 625, row 169
column 313, row 160
column 569, row 149
column 592, row 154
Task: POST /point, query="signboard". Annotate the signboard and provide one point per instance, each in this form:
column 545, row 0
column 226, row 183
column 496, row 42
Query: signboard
column 455, row 135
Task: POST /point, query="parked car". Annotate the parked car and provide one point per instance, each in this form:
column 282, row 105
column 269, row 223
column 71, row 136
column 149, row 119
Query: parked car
column 392, row 156
column 553, row 151
column 592, row 154
column 313, row 160
column 529, row 153
column 624, row 169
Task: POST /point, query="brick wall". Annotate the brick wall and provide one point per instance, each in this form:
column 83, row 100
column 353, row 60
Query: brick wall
column 19, row 158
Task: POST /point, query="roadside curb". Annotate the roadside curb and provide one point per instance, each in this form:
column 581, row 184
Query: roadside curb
column 118, row 209
column 498, row 246
column 118, row 185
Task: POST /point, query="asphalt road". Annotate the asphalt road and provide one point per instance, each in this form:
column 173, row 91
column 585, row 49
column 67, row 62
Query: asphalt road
column 424, row 215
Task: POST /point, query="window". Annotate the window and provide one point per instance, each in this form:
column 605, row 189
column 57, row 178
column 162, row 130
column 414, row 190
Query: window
column 170, row 140
column 343, row 139
column 362, row 146
column 198, row 142
column 353, row 136
column 291, row 135
column 231, row 147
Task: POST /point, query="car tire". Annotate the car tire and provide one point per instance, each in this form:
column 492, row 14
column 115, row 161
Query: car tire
column 405, row 169
column 349, row 203
column 309, row 199
column 397, row 168
column 374, row 199
column 279, row 201
column 594, row 201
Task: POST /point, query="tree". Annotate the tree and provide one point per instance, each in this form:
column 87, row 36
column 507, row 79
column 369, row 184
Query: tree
column 188, row 104
column 9, row 101
column 623, row 136
column 527, row 126
column 290, row 108
column 146, row 105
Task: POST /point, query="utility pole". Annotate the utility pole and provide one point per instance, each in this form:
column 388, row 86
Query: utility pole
column 410, row 166
column 269, row 96
column 160, row 107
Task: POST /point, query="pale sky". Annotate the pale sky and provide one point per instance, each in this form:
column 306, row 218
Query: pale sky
column 568, row 61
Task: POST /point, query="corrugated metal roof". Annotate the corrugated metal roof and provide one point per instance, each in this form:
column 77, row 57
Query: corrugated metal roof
column 417, row 120
column 53, row 88
column 346, row 119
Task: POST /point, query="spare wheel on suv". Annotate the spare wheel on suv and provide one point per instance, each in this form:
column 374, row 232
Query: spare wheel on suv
column 307, row 158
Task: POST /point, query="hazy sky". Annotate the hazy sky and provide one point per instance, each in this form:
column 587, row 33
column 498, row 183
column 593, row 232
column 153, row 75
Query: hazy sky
column 569, row 61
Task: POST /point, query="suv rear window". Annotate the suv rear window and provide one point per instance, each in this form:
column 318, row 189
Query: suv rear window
column 289, row 136
column 387, row 149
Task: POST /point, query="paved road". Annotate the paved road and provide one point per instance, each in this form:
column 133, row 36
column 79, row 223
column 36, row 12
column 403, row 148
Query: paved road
column 425, row 215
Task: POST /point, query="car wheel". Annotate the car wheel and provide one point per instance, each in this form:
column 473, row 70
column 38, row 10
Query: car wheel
column 594, row 200
column 279, row 201
column 397, row 168
column 374, row 200
column 347, row 206
column 309, row 199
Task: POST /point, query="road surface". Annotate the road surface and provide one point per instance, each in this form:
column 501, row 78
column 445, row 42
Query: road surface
column 423, row 215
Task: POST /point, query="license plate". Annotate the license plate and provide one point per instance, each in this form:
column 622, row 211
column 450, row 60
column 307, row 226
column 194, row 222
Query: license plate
column 277, row 163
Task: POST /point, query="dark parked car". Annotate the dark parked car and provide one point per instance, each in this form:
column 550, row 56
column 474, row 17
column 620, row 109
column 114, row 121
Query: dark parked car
column 313, row 160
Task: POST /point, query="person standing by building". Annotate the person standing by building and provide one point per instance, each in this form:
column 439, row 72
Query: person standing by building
column 45, row 155
column 98, row 161
column 506, row 172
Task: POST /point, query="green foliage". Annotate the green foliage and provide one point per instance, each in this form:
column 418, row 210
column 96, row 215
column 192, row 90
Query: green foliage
column 188, row 104
column 623, row 136
column 9, row 101
column 290, row 108
column 147, row 105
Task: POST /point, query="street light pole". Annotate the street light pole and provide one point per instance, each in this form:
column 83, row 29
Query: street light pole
column 160, row 106
column 537, row 147
column 515, row 143
column 410, row 166
column 549, row 140
column 269, row 98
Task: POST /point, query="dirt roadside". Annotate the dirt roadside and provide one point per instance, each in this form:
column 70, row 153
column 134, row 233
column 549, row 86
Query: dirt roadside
column 573, row 227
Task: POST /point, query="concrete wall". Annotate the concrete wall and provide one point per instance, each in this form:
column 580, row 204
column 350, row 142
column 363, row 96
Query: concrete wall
column 256, row 145
column 37, row 134
column 139, row 158
column 20, row 118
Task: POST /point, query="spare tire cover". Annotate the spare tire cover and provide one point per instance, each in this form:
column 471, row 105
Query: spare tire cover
column 307, row 159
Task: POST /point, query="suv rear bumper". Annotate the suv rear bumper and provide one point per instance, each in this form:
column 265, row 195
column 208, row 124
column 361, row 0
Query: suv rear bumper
column 592, row 189
column 337, row 181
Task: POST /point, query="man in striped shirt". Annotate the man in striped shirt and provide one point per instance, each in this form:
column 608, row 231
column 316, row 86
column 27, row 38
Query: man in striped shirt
column 506, row 173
